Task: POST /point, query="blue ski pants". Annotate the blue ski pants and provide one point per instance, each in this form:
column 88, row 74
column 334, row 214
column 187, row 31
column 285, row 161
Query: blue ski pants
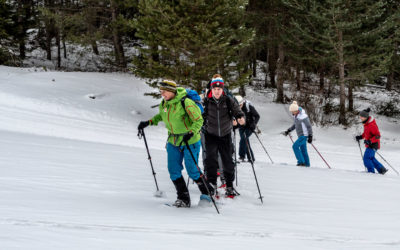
column 300, row 150
column 371, row 162
column 176, row 155
column 243, row 145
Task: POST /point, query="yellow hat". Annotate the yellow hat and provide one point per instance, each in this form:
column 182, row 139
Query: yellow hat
column 168, row 85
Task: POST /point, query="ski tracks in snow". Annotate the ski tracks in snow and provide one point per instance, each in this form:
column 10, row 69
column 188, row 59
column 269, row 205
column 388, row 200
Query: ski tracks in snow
column 198, row 232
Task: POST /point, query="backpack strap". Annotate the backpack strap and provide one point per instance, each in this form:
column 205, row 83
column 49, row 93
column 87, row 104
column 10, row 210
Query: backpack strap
column 183, row 103
column 229, row 105
column 205, row 105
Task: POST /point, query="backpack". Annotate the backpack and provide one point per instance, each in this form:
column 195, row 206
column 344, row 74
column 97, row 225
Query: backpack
column 194, row 96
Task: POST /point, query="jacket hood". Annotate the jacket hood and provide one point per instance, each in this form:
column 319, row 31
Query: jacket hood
column 301, row 115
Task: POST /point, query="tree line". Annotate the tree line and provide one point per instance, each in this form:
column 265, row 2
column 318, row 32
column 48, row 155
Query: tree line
column 343, row 43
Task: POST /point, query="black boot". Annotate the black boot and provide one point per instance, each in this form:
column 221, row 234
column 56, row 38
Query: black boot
column 383, row 171
column 182, row 192
column 203, row 188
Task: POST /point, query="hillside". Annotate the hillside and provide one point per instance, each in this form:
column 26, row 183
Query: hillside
column 74, row 175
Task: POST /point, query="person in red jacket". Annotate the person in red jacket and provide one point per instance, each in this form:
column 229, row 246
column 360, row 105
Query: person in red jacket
column 371, row 138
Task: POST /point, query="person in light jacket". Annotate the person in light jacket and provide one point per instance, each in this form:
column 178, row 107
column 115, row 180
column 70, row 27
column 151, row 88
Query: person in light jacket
column 304, row 132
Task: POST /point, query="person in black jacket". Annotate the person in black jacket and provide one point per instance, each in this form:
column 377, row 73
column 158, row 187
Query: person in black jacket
column 252, row 118
column 219, row 111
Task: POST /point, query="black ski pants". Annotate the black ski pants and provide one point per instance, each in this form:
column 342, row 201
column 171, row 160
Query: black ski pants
column 223, row 146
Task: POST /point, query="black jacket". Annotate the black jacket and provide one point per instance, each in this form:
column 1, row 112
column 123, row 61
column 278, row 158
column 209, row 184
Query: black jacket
column 252, row 116
column 218, row 115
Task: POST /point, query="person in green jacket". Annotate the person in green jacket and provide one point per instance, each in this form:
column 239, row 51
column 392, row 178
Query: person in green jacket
column 183, row 125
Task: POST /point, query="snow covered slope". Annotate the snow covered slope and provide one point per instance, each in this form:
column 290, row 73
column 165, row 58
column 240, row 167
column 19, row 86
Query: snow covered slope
column 74, row 175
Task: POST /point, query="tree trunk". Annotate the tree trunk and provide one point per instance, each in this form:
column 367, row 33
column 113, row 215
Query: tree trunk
column 242, row 91
column 118, row 49
column 390, row 77
column 24, row 14
column 390, row 80
column 342, row 108
column 272, row 65
column 58, row 41
column 94, row 47
column 254, row 65
column 350, row 108
column 279, row 94
column 321, row 80
column 48, row 44
column 298, row 78
column 64, row 47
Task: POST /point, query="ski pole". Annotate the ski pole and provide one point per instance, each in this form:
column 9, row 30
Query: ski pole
column 234, row 138
column 320, row 155
column 362, row 157
column 201, row 176
column 290, row 136
column 387, row 162
column 263, row 147
column 140, row 135
column 252, row 165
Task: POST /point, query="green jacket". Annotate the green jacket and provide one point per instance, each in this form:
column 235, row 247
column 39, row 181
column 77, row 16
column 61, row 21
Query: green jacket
column 177, row 120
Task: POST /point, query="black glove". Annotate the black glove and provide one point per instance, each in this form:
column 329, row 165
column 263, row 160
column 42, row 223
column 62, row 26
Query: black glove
column 368, row 142
column 309, row 140
column 286, row 132
column 187, row 137
column 252, row 127
column 359, row 137
column 143, row 124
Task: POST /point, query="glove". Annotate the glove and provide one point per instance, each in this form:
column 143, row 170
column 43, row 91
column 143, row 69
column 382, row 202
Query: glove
column 187, row 137
column 143, row 124
column 368, row 142
column 252, row 127
column 309, row 140
column 285, row 133
column 359, row 137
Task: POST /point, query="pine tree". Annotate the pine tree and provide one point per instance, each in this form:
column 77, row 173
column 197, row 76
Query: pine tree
column 5, row 29
column 190, row 40
column 350, row 37
column 391, row 64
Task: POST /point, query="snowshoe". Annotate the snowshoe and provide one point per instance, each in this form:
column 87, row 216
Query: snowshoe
column 205, row 200
column 231, row 193
column 181, row 203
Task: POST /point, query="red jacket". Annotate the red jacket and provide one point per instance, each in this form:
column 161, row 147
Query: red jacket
column 371, row 132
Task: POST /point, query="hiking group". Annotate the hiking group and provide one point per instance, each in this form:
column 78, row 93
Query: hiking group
column 209, row 125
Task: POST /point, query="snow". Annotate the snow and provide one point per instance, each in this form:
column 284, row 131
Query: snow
column 74, row 175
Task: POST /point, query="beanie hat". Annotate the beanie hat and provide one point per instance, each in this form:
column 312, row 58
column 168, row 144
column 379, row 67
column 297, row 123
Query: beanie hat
column 293, row 107
column 217, row 82
column 239, row 99
column 365, row 113
column 168, row 85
